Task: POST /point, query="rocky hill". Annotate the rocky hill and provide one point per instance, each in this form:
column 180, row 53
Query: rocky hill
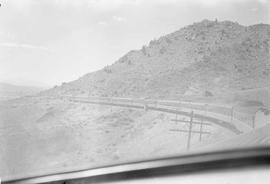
column 208, row 58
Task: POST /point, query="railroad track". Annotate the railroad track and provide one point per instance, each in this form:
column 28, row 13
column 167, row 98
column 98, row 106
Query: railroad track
column 214, row 113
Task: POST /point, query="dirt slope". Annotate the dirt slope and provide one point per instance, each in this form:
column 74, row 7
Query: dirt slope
column 257, row 137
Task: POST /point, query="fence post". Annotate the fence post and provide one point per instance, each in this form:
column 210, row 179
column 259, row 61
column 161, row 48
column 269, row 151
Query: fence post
column 189, row 131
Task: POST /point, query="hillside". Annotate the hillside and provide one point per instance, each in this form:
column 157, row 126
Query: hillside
column 46, row 135
column 208, row 58
column 10, row 91
column 256, row 138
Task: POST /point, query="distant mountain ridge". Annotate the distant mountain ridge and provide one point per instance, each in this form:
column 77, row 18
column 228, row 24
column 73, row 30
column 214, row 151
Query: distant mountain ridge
column 10, row 91
column 206, row 58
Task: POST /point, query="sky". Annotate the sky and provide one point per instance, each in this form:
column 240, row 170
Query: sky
column 47, row 42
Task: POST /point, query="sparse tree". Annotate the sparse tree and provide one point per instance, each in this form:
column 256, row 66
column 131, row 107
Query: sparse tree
column 144, row 50
column 107, row 69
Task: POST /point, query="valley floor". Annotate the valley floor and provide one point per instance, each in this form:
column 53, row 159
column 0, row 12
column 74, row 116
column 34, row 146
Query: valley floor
column 42, row 135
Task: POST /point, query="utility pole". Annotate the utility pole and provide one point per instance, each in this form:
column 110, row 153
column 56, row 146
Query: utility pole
column 190, row 129
column 201, row 129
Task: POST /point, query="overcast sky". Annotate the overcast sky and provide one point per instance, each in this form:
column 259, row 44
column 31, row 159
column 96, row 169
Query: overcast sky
column 47, row 42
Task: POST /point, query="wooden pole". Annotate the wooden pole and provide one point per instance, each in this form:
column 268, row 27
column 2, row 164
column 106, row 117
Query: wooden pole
column 201, row 127
column 190, row 129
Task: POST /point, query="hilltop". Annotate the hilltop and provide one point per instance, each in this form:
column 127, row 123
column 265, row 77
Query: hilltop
column 208, row 58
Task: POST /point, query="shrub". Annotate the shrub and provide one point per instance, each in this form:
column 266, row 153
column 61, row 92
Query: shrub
column 107, row 69
column 208, row 94
column 144, row 50
column 266, row 72
column 123, row 59
column 153, row 42
column 168, row 40
column 162, row 50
